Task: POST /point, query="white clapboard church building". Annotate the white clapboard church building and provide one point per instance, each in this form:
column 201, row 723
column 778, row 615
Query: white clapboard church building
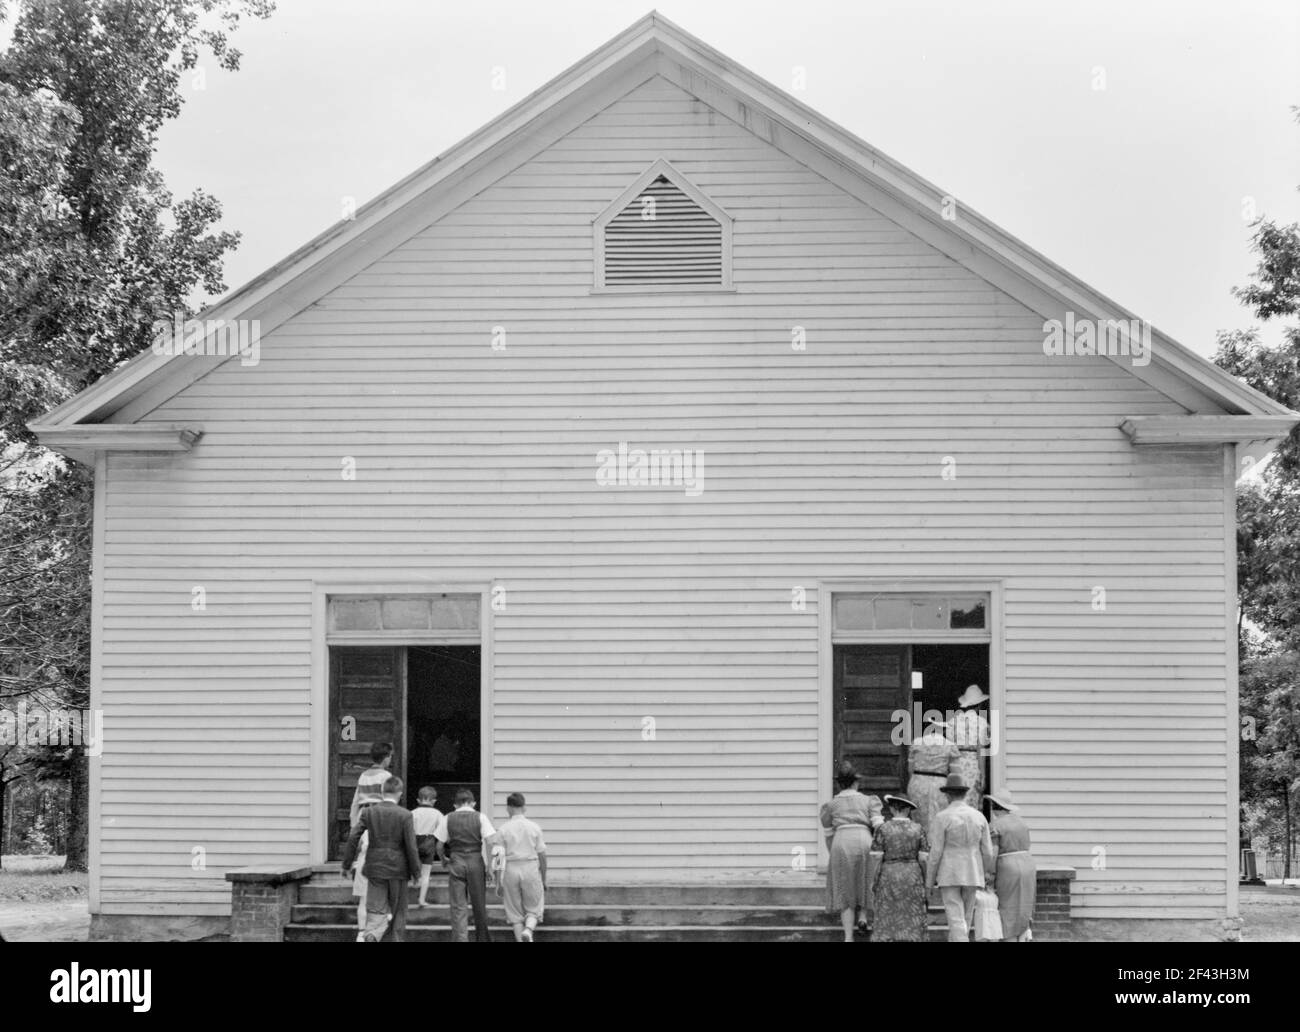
column 647, row 453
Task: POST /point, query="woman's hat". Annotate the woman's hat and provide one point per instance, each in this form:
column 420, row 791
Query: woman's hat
column 956, row 785
column 938, row 722
column 1002, row 800
column 972, row 696
column 899, row 800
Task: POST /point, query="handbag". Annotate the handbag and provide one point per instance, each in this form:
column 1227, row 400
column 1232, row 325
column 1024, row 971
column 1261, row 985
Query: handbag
column 987, row 921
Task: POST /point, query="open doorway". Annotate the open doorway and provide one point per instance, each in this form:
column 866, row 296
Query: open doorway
column 874, row 682
column 425, row 699
column 443, row 727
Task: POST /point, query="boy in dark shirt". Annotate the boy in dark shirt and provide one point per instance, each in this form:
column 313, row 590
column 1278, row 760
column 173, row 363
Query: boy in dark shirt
column 392, row 860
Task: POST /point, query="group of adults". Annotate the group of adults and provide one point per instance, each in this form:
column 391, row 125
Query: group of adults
column 886, row 857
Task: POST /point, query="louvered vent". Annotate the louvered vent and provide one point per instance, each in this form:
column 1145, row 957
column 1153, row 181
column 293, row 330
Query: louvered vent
column 662, row 238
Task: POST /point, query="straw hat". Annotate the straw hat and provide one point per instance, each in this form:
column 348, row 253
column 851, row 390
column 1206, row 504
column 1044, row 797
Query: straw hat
column 1002, row 800
column 972, row 696
column 899, row 800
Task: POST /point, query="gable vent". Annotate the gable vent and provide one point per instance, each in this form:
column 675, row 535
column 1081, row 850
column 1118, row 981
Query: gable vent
column 663, row 237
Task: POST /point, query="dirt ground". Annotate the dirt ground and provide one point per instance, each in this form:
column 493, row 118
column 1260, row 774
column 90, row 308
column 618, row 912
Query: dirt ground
column 1270, row 914
column 58, row 921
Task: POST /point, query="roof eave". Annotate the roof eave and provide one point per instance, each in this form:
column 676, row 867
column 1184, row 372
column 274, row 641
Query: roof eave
column 1206, row 429
column 656, row 32
column 82, row 442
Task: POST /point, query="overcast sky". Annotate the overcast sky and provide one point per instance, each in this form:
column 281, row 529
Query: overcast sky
column 1137, row 188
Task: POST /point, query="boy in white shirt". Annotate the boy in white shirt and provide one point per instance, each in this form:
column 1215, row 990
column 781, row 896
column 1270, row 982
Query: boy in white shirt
column 430, row 828
column 523, row 882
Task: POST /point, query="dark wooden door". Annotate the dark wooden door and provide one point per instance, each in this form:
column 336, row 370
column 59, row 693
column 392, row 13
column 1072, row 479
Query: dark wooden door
column 872, row 682
column 367, row 703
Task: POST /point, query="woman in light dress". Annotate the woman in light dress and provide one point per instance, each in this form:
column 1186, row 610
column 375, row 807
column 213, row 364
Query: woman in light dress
column 930, row 759
column 970, row 732
column 1014, row 876
column 850, row 818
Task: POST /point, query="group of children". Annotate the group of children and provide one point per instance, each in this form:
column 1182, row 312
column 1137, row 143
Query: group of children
column 389, row 844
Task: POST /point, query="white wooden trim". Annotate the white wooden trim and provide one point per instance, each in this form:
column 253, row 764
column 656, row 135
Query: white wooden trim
column 666, row 288
column 321, row 640
column 997, row 683
column 931, row 637
column 1202, row 429
column 486, row 752
column 94, row 764
column 995, row 638
column 399, row 638
column 825, row 708
column 1232, row 701
column 132, row 437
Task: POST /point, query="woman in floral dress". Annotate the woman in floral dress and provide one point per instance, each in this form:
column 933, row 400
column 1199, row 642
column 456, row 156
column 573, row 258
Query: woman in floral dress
column 970, row 731
column 931, row 758
column 900, row 895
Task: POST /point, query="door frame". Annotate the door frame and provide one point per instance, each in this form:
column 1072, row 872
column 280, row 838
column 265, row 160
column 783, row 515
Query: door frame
column 319, row 822
column 830, row 587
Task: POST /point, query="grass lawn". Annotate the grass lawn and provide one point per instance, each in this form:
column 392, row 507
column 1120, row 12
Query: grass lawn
column 36, row 879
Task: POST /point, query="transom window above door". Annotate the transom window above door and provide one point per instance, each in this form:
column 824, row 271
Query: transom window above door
column 407, row 617
column 909, row 615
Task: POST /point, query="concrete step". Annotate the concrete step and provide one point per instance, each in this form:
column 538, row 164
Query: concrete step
column 334, row 890
column 624, row 933
column 635, row 911
column 599, row 933
column 649, row 915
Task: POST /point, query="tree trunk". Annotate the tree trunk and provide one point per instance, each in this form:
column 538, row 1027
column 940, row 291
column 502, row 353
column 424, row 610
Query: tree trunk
column 1286, row 810
column 4, row 796
column 78, row 811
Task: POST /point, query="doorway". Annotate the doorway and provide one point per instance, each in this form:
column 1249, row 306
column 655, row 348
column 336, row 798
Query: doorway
column 423, row 699
column 874, row 683
column 443, row 730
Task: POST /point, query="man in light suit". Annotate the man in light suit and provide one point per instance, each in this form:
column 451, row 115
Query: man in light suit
column 960, row 852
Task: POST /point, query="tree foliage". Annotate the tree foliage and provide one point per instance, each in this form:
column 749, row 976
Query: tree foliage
column 93, row 249
column 1268, row 544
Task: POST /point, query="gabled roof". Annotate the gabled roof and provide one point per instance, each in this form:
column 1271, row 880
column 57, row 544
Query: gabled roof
column 655, row 46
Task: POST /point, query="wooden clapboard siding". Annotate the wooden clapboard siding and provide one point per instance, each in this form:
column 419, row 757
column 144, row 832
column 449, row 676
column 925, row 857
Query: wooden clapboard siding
column 477, row 465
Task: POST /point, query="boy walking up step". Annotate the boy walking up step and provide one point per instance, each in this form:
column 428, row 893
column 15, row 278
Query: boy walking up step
column 523, row 882
column 429, row 821
column 465, row 833
column 392, row 861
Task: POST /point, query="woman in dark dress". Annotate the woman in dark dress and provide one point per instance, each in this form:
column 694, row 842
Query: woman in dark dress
column 900, row 880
